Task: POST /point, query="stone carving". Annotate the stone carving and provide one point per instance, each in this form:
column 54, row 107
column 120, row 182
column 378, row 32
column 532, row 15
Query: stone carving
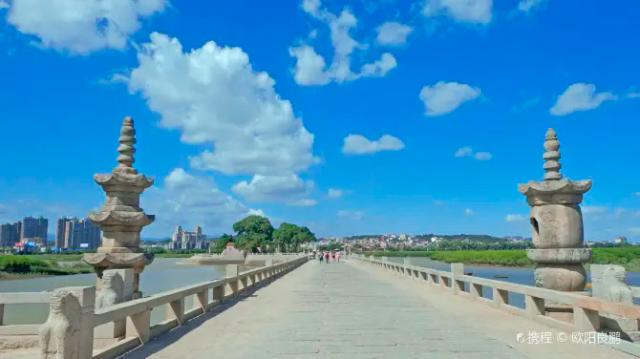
column 111, row 291
column 556, row 220
column 121, row 218
column 59, row 335
column 608, row 283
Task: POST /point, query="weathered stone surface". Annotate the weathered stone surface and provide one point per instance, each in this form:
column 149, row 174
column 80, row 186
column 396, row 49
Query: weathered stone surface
column 556, row 221
column 121, row 219
column 565, row 277
column 608, row 283
column 559, row 255
column 60, row 335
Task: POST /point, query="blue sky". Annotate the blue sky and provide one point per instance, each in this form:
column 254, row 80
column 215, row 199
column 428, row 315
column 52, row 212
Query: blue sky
column 345, row 116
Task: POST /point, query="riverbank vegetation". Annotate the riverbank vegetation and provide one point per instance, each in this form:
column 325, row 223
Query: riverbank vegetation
column 627, row 256
column 19, row 266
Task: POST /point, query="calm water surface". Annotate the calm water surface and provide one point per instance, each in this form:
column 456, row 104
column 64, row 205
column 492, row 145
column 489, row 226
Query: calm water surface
column 162, row 275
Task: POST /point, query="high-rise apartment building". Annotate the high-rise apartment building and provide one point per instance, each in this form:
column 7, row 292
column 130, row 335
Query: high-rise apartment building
column 34, row 230
column 188, row 240
column 72, row 233
column 10, row 234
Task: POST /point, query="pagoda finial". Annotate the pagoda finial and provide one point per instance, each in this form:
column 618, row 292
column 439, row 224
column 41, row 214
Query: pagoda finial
column 126, row 148
column 552, row 156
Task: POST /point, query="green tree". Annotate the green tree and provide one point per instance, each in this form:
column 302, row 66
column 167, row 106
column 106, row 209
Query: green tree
column 219, row 244
column 289, row 237
column 252, row 232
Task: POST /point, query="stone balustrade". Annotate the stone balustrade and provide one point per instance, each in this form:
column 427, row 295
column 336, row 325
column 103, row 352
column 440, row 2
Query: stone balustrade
column 587, row 311
column 69, row 330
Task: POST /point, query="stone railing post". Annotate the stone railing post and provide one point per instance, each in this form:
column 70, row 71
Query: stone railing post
column 139, row 325
column 116, row 286
column 232, row 272
column 457, row 269
column 68, row 331
column 175, row 310
column 406, row 261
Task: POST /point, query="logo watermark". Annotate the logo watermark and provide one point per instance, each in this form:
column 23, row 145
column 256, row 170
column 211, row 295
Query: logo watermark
column 537, row 338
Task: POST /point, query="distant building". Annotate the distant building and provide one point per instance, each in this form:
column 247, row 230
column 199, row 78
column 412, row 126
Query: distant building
column 72, row 233
column 34, row 230
column 620, row 241
column 182, row 239
column 10, row 234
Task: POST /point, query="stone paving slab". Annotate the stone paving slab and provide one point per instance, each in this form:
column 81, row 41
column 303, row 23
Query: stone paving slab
column 352, row 310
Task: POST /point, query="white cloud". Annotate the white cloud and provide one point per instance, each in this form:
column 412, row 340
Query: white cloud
column 214, row 97
column 335, row 193
column 633, row 95
column 393, row 33
column 81, row 27
column 467, row 151
column 4, row 4
column 286, row 188
column 360, row 145
column 528, row 5
column 304, row 202
column 594, row 209
column 464, row 152
column 468, row 212
column 514, row 218
column 444, row 97
column 257, row 212
column 579, row 97
column 312, row 69
column 471, row 11
column 483, row 156
column 188, row 200
column 352, row 215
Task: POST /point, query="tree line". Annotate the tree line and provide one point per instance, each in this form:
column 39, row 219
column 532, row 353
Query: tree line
column 256, row 234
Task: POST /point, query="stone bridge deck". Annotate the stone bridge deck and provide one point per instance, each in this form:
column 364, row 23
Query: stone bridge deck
column 350, row 310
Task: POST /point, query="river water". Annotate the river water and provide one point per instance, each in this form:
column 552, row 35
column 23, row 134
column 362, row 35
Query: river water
column 162, row 275
column 509, row 274
column 172, row 273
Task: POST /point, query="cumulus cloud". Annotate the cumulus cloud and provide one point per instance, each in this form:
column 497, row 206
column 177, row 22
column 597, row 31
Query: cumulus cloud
column 469, row 11
column 214, row 97
column 594, row 209
column 335, row 193
column 312, row 69
column 360, row 145
column 355, row 215
column 444, row 97
column 468, row 212
column 304, row 202
column 81, row 27
column 467, row 151
column 188, row 200
column 528, row 5
column 286, row 188
column 393, row 33
column 579, row 97
column 514, row 218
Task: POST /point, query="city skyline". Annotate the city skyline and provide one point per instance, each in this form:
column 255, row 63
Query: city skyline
column 348, row 118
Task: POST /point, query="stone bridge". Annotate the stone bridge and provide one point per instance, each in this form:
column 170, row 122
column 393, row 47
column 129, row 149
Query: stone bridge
column 358, row 308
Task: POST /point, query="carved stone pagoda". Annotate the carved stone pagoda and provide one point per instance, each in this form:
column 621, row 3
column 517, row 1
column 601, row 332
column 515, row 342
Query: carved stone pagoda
column 121, row 219
column 556, row 221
